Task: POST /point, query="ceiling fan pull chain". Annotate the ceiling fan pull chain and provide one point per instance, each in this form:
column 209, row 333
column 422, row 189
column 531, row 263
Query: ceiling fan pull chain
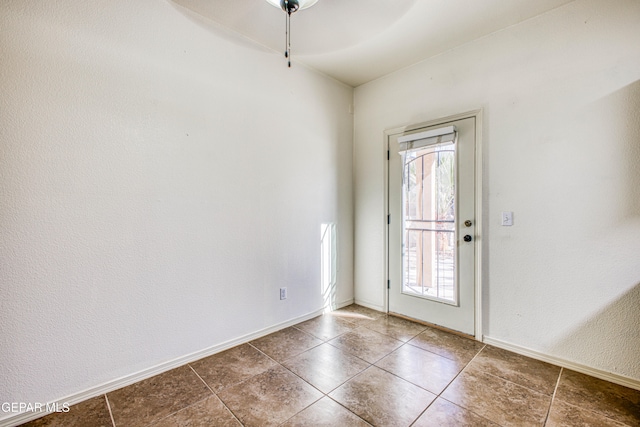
column 287, row 29
column 286, row 35
column 289, row 7
column 289, row 38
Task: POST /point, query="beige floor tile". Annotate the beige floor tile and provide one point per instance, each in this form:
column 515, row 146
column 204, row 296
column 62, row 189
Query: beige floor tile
column 155, row 398
column 395, row 327
column 326, row 327
column 366, row 344
column 359, row 309
column 448, row 345
column 358, row 315
column 92, row 412
column 421, row 367
column 270, row 398
column 208, row 412
column 286, row 343
column 498, row 400
column 232, row 366
column 534, row 374
column 614, row 401
column 442, row 413
column 565, row 415
column 326, row 413
column 383, row 399
column 282, row 380
column 326, row 367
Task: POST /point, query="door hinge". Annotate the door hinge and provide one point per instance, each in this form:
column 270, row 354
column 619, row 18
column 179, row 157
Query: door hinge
column 388, row 284
column 387, row 154
column 388, row 219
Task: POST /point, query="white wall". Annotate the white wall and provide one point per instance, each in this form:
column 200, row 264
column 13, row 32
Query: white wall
column 561, row 138
column 160, row 180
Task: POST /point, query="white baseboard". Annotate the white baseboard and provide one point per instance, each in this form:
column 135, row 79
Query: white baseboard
column 339, row 305
column 375, row 307
column 109, row 386
column 597, row 373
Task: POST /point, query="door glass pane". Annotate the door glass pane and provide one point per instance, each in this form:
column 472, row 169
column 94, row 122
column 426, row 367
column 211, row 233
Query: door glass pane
column 429, row 194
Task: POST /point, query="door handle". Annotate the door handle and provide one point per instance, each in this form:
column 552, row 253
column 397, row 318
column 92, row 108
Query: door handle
column 467, row 238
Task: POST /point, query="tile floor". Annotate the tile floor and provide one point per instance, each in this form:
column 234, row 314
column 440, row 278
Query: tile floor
column 359, row 367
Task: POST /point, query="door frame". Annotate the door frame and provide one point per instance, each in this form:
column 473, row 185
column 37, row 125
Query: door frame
column 479, row 229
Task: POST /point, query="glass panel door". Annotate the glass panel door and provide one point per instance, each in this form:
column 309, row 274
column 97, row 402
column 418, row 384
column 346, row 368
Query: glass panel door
column 431, row 225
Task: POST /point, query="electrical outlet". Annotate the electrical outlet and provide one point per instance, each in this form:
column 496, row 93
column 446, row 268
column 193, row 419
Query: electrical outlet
column 283, row 293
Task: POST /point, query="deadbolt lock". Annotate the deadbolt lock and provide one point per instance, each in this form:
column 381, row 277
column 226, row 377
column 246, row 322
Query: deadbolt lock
column 468, row 223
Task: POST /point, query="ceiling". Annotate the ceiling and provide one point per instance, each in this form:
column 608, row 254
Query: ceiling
column 356, row 41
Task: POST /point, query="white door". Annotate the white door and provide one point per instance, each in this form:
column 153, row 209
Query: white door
column 432, row 224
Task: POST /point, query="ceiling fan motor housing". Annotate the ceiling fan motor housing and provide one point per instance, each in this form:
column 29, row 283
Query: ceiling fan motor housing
column 290, row 6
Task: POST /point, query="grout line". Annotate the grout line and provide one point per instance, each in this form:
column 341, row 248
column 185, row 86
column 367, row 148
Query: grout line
column 247, row 379
column 403, row 343
column 515, row 383
column 406, row 380
column 469, row 410
column 332, row 399
column 109, row 408
column 345, row 351
column 511, row 382
column 178, row 411
column 439, row 395
column 559, row 362
column 309, row 333
column 338, row 349
column 446, row 357
column 199, row 377
column 596, row 413
column 553, row 396
column 305, row 381
column 266, row 355
column 295, row 355
column 311, row 404
column 231, row 412
column 518, row 384
column 461, row 370
column 326, row 395
column 214, row 394
column 193, row 403
column 293, row 373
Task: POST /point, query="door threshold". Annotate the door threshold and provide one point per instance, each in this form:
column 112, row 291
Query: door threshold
column 432, row 325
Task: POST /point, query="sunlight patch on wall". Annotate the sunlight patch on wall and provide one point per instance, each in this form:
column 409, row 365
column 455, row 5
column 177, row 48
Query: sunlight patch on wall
column 328, row 261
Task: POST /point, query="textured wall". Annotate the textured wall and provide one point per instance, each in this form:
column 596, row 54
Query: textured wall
column 561, row 100
column 160, row 180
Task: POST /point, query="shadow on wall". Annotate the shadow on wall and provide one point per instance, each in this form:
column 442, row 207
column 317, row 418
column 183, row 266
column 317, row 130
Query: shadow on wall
column 328, row 265
column 619, row 117
column 629, row 121
column 619, row 322
column 612, row 334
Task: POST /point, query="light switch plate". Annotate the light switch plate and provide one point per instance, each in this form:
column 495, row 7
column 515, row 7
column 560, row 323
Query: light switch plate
column 507, row 218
